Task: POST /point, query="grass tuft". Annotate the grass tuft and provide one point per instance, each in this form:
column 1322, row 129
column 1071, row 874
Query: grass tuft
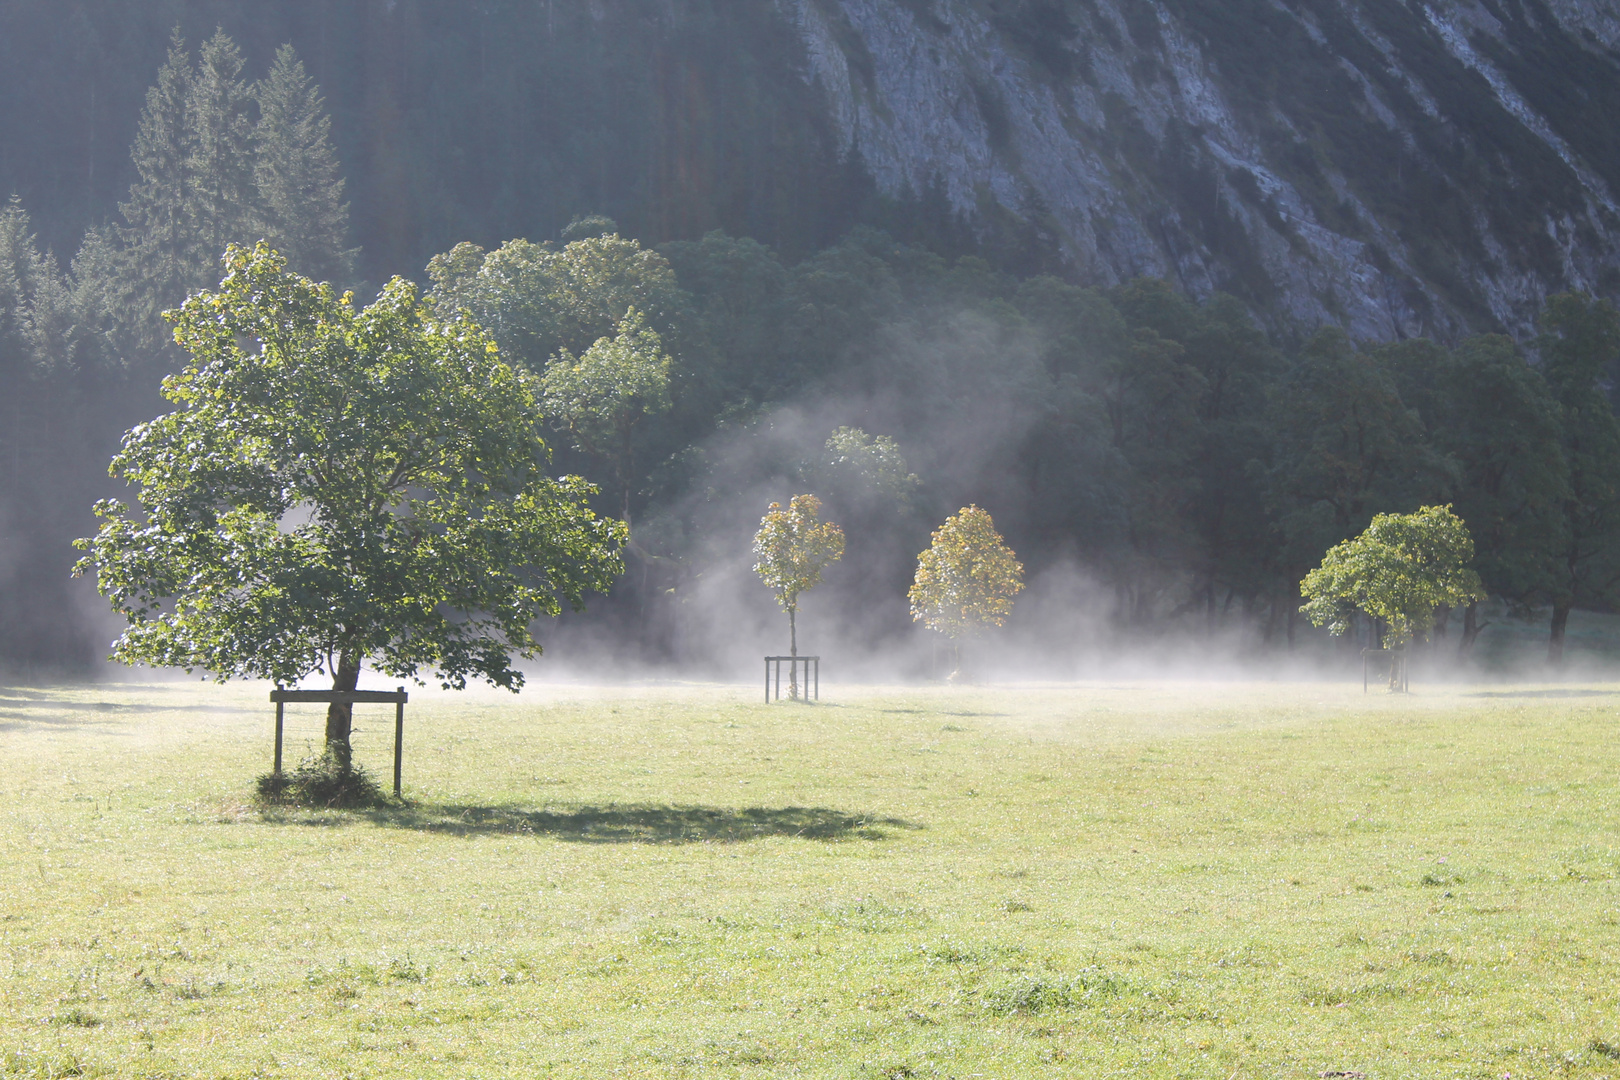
column 1032, row 995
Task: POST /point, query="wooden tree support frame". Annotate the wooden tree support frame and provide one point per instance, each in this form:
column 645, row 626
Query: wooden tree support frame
column 774, row 663
column 397, row 698
column 1395, row 658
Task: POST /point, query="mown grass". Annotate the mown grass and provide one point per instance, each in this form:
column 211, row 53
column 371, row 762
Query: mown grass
column 1217, row 880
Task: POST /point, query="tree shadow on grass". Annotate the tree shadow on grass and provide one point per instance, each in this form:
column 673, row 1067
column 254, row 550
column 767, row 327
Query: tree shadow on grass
column 629, row 823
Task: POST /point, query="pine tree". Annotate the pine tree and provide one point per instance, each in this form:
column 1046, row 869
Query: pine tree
column 300, row 186
column 158, row 249
column 223, row 203
column 194, row 191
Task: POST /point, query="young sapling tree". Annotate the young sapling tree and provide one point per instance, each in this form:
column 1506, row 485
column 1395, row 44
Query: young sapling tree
column 966, row 580
column 793, row 547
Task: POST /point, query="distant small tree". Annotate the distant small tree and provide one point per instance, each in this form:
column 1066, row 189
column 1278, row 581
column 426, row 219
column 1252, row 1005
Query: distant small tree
column 876, row 460
column 338, row 487
column 966, row 580
column 601, row 397
column 793, row 547
column 1399, row 570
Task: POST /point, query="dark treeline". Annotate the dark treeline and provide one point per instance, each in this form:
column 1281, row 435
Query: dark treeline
column 477, row 121
column 1190, row 465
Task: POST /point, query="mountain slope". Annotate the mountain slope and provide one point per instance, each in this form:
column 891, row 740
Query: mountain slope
column 1399, row 167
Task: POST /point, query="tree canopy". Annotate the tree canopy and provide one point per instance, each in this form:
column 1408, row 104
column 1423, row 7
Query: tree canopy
column 793, row 547
column 337, row 487
column 968, row 577
column 600, row 397
column 1400, row 569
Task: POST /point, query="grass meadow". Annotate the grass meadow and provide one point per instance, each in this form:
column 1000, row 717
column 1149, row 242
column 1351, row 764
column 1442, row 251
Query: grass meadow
column 1217, row 880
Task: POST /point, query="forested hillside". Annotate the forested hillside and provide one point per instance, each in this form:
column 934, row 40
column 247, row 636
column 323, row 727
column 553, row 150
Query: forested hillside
column 1403, row 169
column 883, row 252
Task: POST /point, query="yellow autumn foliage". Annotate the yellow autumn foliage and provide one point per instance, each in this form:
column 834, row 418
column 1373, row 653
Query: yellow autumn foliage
column 967, row 578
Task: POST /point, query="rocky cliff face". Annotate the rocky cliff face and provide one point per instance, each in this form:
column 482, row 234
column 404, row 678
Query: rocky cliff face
column 1400, row 167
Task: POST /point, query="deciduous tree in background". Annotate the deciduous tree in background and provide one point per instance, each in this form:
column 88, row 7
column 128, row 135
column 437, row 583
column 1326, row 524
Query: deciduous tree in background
column 340, row 486
column 600, row 398
column 1579, row 346
column 793, row 547
column 1400, row 569
column 966, row 580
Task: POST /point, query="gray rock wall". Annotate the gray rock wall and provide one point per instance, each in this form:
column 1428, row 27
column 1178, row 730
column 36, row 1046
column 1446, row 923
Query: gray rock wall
column 1135, row 127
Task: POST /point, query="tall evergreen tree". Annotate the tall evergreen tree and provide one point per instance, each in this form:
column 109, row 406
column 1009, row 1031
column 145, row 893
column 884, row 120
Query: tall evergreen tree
column 159, row 253
column 224, row 202
column 194, row 191
column 300, row 186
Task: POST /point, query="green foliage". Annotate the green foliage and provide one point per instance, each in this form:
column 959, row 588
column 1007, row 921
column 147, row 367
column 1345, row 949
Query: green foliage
column 340, row 485
column 1400, row 569
column 538, row 300
column 1496, row 422
column 1346, row 445
column 793, row 547
column 967, row 578
column 876, row 460
column 602, row 396
column 210, row 174
column 1580, row 347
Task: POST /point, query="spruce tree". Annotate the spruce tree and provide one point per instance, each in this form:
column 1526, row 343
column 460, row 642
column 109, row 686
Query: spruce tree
column 300, row 185
column 158, row 250
column 194, row 191
column 223, row 203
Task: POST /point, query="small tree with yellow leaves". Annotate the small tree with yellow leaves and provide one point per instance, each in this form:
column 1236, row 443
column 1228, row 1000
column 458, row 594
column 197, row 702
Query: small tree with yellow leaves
column 966, row 580
column 793, row 547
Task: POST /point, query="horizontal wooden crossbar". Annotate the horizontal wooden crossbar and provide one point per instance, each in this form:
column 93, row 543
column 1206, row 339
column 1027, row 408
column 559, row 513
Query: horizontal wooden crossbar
column 391, row 697
column 785, row 659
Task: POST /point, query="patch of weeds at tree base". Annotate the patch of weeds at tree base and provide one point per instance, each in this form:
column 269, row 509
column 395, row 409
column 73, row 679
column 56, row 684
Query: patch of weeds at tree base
column 322, row 782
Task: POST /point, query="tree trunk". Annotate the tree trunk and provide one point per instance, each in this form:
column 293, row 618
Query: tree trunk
column 340, row 714
column 793, row 651
column 1555, row 641
column 1471, row 628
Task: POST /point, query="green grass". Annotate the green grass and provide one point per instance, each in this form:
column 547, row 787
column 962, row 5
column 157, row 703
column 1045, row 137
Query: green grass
column 1220, row 880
